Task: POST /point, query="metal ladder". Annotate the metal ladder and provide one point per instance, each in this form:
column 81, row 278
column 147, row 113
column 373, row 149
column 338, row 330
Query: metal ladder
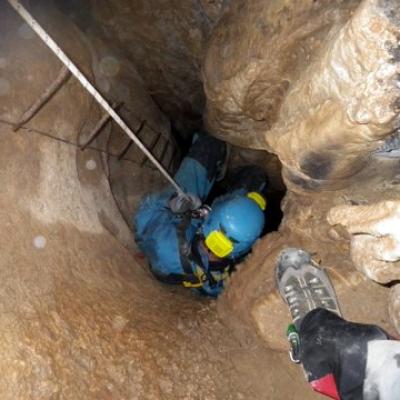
column 168, row 161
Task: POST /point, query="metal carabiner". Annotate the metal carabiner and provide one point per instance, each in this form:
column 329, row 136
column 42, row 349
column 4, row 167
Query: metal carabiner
column 294, row 342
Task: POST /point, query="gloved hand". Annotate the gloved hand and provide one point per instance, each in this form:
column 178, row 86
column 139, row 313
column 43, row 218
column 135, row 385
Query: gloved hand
column 180, row 203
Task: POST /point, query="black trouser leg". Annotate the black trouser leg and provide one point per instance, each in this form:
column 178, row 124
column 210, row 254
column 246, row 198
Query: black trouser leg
column 250, row 177
column 331, row 345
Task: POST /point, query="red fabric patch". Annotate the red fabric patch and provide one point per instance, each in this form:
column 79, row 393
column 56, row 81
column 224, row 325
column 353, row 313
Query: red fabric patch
column 326, row 386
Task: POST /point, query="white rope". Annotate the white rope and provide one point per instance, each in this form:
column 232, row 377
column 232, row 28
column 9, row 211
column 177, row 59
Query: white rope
column 89, row 87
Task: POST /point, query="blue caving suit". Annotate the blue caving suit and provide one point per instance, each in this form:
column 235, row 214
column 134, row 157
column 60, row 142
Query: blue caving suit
column 166, row 238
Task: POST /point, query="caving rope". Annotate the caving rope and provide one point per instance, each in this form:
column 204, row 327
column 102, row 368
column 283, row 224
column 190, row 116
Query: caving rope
column 90, row 88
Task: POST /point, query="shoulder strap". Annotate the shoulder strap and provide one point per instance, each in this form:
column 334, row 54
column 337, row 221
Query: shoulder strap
column 183, row 245
column 191, row 278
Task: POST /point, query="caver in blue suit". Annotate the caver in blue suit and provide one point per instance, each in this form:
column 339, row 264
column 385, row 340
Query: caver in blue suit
column 167, row 238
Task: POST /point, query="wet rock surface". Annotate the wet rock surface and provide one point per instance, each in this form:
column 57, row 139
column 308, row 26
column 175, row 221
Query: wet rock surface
column 314, row 82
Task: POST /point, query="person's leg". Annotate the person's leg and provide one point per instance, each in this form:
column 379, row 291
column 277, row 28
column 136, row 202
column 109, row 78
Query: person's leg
column 333, row 351
column 201, row 166
column 382, row 380
column 251, row 178
column 302, row 285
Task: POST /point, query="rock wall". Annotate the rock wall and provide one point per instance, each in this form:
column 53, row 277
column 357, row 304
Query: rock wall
column 316, row 83
column 313, row 82
column 81, row 318
column 351, row 232
column 165, row 40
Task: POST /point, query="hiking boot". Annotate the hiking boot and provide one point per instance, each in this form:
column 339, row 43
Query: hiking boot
column 303, row 285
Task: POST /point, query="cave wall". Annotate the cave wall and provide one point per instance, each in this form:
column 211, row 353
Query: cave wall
column 338, row 229
column 276, row 42
column 166, row 41
column 81, row 316
column 315, row 83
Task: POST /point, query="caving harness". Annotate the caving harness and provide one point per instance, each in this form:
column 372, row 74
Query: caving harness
column 195, row 274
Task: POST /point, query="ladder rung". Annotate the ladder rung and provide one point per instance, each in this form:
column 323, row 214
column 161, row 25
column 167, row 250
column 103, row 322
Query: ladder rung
column 54, row 87
column 95, row 132
column 151, row 147
column 128, row 146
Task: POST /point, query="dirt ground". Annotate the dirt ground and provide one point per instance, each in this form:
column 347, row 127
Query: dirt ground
column 81, row 317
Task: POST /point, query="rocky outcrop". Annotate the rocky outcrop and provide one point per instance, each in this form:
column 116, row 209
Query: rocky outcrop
column 375, row 237
column 252, row 296
column 81, row 317
column 313, row 82
column 375, row 244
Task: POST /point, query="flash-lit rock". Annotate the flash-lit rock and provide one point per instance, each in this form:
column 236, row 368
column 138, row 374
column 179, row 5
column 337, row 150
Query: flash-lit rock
column 375, row 243
column 313, row 82
column 316, row 84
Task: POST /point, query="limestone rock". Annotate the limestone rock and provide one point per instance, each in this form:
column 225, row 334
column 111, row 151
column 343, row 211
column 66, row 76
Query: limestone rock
column 313, row 82
column 252, row 299
column 80, row 319
column 375, row 242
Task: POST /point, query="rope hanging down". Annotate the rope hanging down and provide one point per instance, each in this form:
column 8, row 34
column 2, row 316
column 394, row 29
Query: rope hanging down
column 89, row 87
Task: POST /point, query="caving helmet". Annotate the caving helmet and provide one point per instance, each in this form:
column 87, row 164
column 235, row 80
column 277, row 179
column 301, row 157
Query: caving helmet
column 234, row 224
